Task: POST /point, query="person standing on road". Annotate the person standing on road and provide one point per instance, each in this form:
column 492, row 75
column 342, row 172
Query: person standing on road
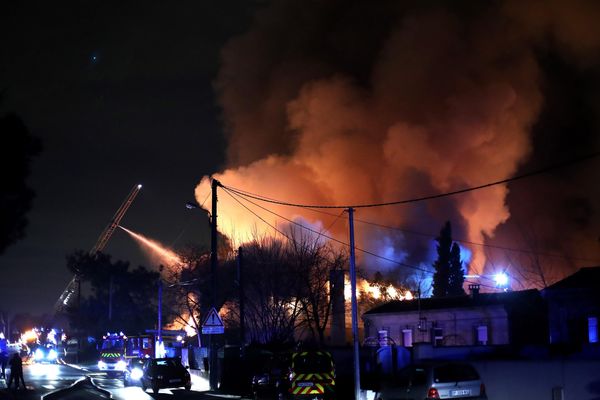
column 3, row 360
column 16, row 371
column 3, row 355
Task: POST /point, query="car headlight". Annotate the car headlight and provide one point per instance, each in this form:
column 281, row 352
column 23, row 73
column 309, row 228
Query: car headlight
column 39, row 354
column 121, row 365
column 101, row 365
column 52, row 354
column 136, row 374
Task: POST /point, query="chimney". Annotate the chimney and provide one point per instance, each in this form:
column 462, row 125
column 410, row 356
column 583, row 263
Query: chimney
column 474, row 289
column 338, row 307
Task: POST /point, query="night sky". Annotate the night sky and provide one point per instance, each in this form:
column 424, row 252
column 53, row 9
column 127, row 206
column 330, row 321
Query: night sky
column 331, row 102
column 119, row 94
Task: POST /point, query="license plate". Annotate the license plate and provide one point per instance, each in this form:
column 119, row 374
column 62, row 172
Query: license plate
column 460, row 392
column 174, row 380
column 304, row 384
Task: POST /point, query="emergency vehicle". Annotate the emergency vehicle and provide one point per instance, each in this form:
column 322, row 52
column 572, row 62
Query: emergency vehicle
column 145, row 346
column 112, row 354
column 312, row 375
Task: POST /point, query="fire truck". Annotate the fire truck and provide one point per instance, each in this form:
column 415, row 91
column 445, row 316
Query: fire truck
column 147, row 346
column 112, row 354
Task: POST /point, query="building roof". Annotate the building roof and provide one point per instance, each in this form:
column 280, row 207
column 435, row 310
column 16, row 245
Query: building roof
column 509, row 299
column 585, row 278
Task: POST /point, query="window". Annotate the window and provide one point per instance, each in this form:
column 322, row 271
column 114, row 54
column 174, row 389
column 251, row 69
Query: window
column 482, row 334
column 383, row 337
column 407, row 337
column 593, row 329
column 438, row 336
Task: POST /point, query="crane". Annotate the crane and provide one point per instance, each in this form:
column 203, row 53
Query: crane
column 66, row 298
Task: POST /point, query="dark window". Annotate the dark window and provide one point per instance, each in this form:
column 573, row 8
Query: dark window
column 419, row 377
column 167, row 363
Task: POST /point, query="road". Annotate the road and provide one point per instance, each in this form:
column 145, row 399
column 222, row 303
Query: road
column 42, row 379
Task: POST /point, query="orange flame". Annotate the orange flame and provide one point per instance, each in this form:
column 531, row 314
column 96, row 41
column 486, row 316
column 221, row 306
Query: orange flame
column 375, row 291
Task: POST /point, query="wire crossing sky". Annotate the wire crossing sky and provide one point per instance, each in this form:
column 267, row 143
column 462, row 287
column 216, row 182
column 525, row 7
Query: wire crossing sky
column 424, row 198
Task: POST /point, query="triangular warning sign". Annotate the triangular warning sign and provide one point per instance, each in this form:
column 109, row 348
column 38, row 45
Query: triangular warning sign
column 212, row 319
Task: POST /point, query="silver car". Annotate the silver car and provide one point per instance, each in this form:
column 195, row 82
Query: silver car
column 444, row 380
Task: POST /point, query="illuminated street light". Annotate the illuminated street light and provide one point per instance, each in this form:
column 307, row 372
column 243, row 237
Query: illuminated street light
column 501, row 279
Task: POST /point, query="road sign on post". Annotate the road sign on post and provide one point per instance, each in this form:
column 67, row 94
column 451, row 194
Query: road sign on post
column 213, row 324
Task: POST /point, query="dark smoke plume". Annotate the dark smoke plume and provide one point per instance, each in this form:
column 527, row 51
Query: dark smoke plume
column 342, row 102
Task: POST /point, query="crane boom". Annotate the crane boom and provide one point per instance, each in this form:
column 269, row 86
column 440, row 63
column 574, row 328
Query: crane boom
column 112, row 225
column 66, row 298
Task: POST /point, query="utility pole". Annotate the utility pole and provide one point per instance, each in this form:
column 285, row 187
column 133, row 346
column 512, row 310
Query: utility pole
column 110, row 297
column 354, row 306
column 214, row 261
column 79, row 315
column 240, row 273
column 158, row 346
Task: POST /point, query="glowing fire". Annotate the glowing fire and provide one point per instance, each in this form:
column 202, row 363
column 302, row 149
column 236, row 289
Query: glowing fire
column 31, row 335
column 375, row 291
column 190, row 325
column 166, row 256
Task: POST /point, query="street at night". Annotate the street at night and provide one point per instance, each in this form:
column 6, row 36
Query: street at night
column 45, row 379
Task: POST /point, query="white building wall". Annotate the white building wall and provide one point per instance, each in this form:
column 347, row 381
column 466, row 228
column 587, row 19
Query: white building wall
column 459, row 325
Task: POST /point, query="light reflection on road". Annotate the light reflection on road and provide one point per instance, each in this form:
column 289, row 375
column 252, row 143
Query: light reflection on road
column 47, row 371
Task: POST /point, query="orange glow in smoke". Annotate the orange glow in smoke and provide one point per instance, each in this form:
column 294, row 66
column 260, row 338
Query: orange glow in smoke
column 165, row 256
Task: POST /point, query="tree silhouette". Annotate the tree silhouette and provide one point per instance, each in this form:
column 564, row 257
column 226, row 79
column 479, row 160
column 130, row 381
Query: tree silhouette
column 449, row 275
column 441, row 277
column 456, row 277
column 133, row 295
column 16, row 152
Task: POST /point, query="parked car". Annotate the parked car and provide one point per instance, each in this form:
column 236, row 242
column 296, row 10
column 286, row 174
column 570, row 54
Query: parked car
column 271, row 380
column 165, row 373
column 134, row 371
column 444, row 380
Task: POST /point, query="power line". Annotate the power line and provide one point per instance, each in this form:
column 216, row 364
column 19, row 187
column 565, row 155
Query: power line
column 317, row 232
column 333, row 239
column 429, row 235
column 493, row 246
column 418, row 199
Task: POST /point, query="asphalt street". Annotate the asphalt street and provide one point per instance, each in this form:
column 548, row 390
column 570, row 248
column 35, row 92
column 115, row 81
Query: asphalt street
column 44, row 379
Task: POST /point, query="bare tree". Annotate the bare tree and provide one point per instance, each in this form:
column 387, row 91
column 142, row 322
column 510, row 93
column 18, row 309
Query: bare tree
column 312, row 259
column 272, row 311
column 189, row 286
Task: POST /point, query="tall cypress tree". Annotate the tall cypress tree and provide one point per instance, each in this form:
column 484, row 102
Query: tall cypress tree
column 441, row 277
column 456, row 277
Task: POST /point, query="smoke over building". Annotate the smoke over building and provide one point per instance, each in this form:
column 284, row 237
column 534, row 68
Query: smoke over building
column 364, row 102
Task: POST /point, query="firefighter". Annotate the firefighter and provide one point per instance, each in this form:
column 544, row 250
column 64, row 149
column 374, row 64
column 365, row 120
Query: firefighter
column 16, row 371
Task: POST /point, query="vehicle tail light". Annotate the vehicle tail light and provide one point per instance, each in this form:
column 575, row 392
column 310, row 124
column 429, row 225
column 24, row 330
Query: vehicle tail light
column 432, row 393
column 482, row 390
